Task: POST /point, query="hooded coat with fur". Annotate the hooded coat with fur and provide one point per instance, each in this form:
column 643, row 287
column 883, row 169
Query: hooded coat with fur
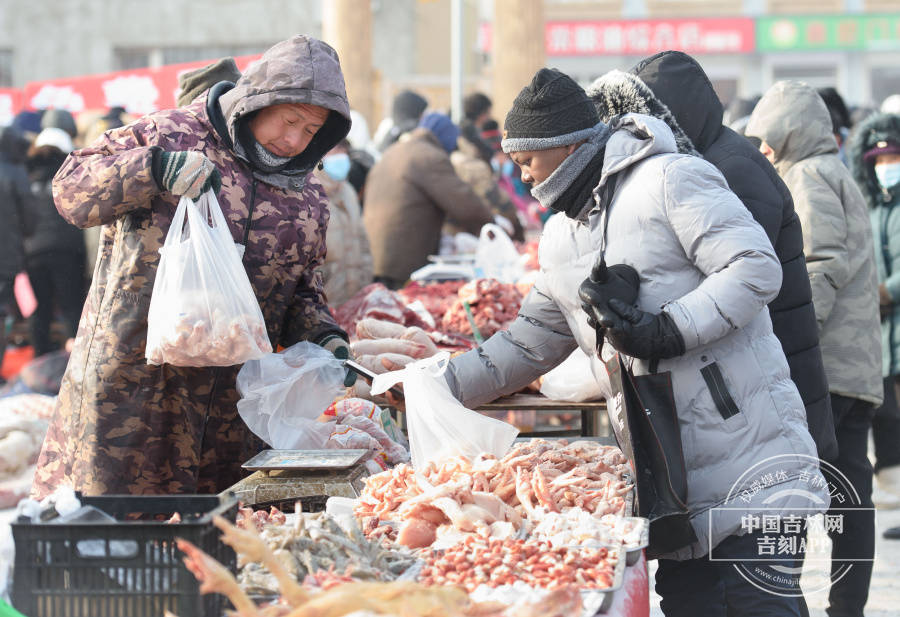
column 884, row 213
column 681, row 86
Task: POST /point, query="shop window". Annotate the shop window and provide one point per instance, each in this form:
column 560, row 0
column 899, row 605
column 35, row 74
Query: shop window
column 178, row 55
column 885, row 81
column 726, row 89
column 128, row 59
column 815, row 76
column 6, row 68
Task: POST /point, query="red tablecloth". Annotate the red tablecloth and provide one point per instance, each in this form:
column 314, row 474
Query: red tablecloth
column 633, row 599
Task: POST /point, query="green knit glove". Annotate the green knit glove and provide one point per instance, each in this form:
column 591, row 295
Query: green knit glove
column 185, row 173
column 341, row 350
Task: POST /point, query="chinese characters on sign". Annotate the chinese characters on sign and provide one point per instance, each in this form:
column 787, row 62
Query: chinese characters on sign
column 863, row 32
column 641, row 37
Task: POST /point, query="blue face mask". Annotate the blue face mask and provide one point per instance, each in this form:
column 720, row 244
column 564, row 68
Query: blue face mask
column 888, row 175
column 337, row 166
column 508, row 168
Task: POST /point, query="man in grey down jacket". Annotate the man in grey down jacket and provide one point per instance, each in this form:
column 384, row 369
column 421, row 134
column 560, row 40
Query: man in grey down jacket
column 707, row 272
column 681, row 85
column 796, row 130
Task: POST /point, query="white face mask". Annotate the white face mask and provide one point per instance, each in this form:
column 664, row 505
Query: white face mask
column 888, row 175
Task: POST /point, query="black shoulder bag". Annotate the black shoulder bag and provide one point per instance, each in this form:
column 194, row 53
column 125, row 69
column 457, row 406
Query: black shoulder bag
column 641, row 410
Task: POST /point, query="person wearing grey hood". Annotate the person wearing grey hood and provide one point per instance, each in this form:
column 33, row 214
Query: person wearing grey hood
column 692, row 274
column 122, row 425
column 796, row 133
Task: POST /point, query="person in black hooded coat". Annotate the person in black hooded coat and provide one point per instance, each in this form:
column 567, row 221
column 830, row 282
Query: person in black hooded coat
column 54, row 252
column 15, row 206
column 680, row 84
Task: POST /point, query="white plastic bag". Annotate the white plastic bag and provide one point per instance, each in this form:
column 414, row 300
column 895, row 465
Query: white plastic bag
column 438, row 425
column 572, row 381
column 282, row 394
column 203, row 311
column 497, row 257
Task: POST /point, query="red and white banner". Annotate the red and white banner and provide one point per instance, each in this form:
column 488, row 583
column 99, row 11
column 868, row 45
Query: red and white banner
column 139, row 91
column 642, row 37
column 10, row 104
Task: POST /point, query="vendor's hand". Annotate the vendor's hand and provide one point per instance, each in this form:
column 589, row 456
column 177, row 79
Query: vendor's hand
column 397, row 402
column 341, row 350
column 185, row 173
column 617, row 281
column 640, row 334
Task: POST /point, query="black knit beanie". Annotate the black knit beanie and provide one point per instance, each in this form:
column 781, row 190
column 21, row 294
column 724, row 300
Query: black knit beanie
column 408, row 107
column 551, row 111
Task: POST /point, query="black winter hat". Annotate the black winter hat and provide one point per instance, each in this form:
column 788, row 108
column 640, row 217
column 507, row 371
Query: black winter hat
column 408, row 107
column 475, row 104
column 553, row 110
column 60, row 119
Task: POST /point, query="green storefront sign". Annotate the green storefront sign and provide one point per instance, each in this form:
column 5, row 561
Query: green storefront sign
column 829, row 32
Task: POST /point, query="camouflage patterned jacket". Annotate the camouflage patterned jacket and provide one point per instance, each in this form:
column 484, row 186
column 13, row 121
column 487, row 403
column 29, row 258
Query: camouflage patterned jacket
column 837, row 235
column 121, row 425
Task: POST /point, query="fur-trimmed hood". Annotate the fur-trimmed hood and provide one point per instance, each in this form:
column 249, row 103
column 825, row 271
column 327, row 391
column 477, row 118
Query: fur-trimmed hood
column 617, row 93
column 880, row 127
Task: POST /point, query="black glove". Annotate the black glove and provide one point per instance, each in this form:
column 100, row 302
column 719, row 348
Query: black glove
column 642, row 335
column 617, row 281
column 185, row 173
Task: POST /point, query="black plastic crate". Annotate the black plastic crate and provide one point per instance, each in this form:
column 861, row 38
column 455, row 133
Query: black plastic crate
column 127, row 569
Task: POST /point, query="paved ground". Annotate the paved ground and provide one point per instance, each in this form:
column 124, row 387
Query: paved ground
column 884, row 592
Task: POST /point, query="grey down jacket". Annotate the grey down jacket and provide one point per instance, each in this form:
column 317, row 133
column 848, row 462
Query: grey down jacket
column 703, row 260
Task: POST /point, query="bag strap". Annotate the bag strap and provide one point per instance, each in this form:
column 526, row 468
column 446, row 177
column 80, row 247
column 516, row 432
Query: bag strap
column 606, row 199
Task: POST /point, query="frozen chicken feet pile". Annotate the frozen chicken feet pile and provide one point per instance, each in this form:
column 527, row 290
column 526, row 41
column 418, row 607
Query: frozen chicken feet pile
column 496, row 497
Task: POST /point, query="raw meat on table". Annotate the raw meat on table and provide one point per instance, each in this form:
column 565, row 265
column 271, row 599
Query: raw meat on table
column 494, row 306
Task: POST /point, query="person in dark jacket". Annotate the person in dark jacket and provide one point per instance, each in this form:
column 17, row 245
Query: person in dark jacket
column 406, row 111
column 54, row 251
column 15, row 203
column 411, row 192
column 476, row 111
column 679, row 82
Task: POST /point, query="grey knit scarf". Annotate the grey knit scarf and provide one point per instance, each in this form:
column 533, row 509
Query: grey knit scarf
column 272, row 161
column 550, row 191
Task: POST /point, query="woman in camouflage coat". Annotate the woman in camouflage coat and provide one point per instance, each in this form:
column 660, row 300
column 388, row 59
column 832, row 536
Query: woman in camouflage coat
column 121, row 425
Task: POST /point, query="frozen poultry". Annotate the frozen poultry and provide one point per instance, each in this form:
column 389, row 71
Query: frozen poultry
column 215, row 578
column 400, row 598
column 248, row 544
